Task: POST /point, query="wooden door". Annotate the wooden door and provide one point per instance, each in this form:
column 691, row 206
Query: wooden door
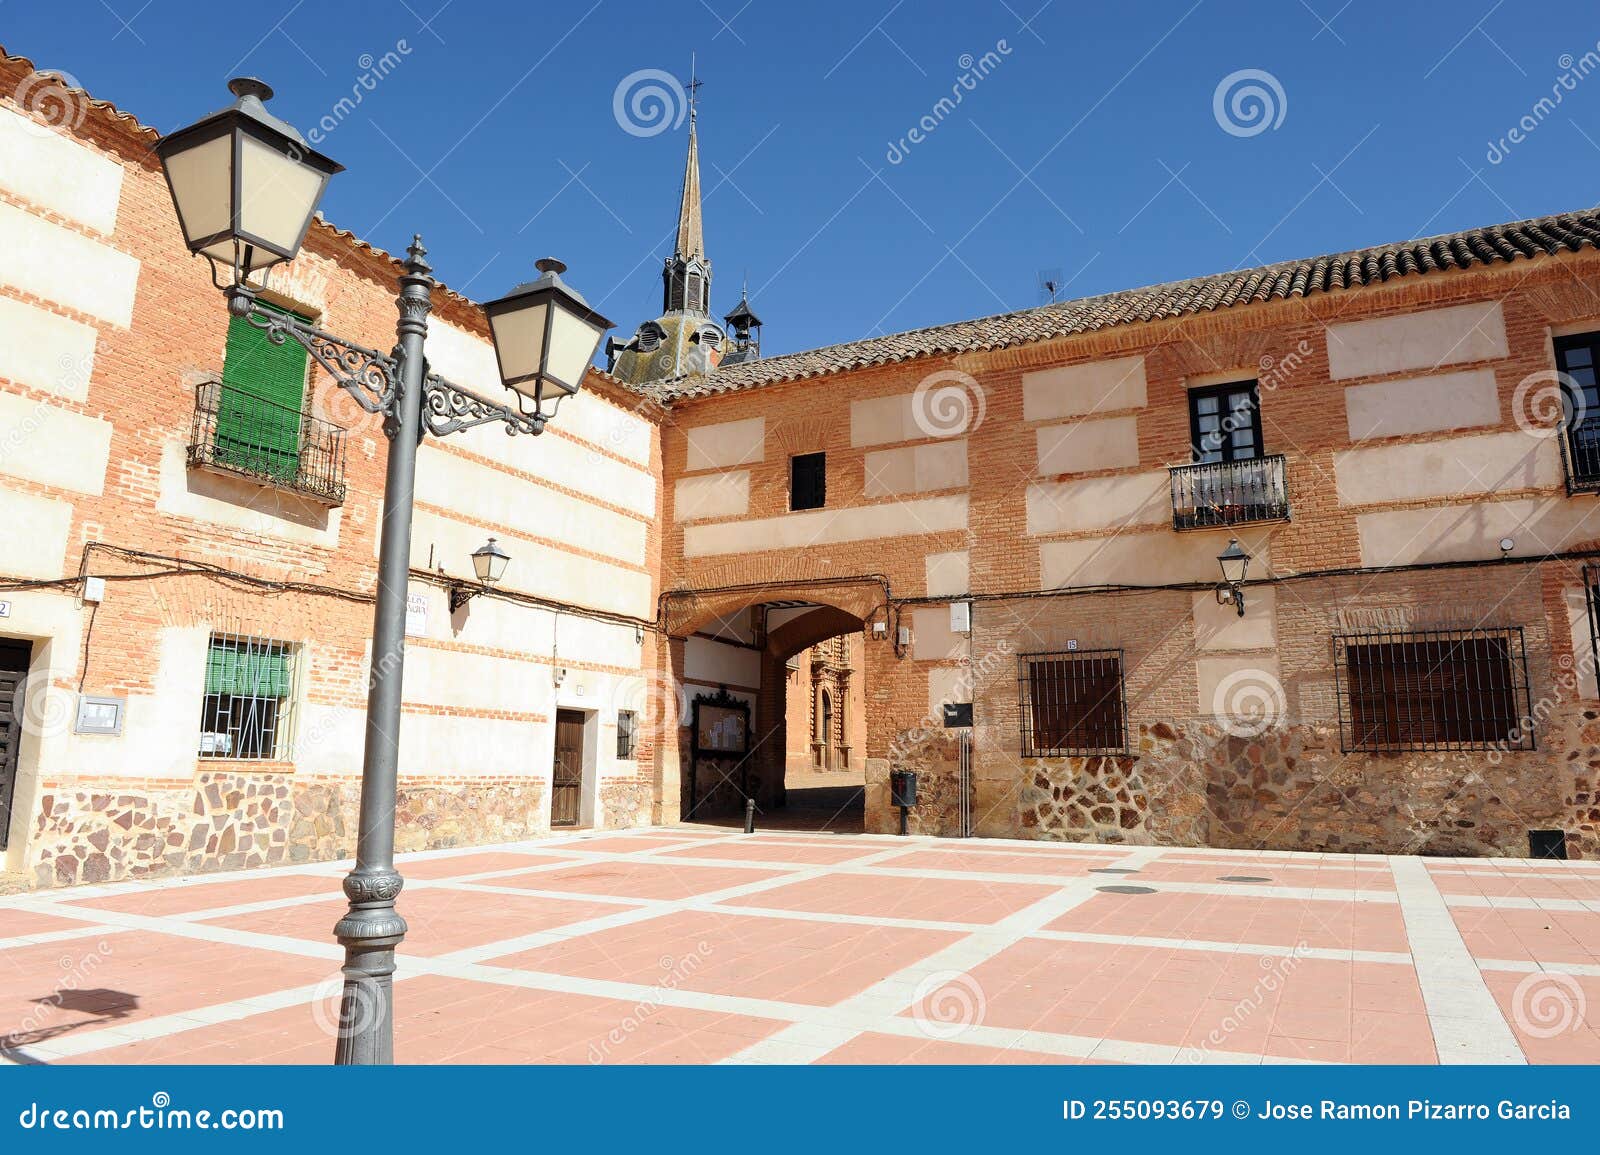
column 13, row 671
column 566, row 780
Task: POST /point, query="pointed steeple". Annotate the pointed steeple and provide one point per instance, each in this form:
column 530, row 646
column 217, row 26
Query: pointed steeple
column 691, row 241
column 686, row 280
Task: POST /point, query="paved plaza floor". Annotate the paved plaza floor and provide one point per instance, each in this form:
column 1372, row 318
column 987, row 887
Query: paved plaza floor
column 703, row 945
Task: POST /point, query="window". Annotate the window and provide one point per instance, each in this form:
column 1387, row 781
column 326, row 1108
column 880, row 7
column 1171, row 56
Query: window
column 259, row 411
column 1072, row 703
column 808, row 481
column 1433, row 690
column 1225, row 422
column 1591, row 597
column 1576, row 358
column 627, row 733
column 249, row 698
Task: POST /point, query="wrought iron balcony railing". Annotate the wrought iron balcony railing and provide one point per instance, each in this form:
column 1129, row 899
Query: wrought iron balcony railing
column 237, row 432
column 1580, row 453
column 1222, row 493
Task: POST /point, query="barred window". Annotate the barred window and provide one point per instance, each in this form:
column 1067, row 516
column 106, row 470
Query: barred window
column 249, row 698
column 1072, row 703
column 627, row 733
column 1433, row 690
column 1591, row 595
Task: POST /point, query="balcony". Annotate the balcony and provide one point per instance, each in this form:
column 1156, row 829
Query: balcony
column 1224, row 493
column 236, row 432
column 1580, row 454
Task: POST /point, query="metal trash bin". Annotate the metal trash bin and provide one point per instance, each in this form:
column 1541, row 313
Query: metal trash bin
column 903, row 787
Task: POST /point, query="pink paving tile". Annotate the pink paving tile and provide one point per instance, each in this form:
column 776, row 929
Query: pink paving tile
column 465, row 864
column 1560, row 936
column 734, row 954
column 1556, row 1017
column 936, row 900
column 765, row 851
column 627, row 844
column 871, row 1048
column 1498, row 885
column 442, row 1020
column 1325, row 877
column 57, row 989
column 646, row 879
column 1333, row 924
column 988, row 862
column 1198, row 1000
column 439, row 920
column 17, row 923
column 158, row 899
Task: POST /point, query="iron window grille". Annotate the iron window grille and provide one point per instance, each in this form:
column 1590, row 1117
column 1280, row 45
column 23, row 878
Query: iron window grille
column 1072, row 702
column 236, row 431
column 248, row 708
column 627, row 733
column 1577, row 358
column 1226, row 493
column 808, row 481
column 1433, row 690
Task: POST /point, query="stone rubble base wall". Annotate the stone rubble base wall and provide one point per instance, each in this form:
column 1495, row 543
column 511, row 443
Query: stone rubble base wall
column 93, row 830
column 1288, row 788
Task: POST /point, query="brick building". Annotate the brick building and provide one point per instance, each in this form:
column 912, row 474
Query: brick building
column 1022, row 513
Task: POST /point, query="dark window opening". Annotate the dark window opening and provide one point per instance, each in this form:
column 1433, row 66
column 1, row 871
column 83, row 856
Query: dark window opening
column 1576, row 359
column 1433, row 690
column 1072, row 703
column 808, row 481
column 1225, row 423
column 627, row 733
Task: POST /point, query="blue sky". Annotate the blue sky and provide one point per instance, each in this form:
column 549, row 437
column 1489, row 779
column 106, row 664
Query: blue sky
column 1091, row 146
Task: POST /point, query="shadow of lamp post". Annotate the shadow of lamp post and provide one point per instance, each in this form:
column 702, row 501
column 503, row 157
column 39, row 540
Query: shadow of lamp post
column 245, row 186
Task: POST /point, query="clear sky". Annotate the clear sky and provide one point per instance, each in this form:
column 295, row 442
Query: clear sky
column 1089, row 140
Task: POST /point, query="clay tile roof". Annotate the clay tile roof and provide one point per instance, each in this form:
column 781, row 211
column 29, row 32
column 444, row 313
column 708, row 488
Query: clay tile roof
column 1495, row 244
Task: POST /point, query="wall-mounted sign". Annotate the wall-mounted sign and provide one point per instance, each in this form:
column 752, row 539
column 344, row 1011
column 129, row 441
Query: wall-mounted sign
column 99, row 715
column 957, row 714
column 416, row 614
column 721, row 724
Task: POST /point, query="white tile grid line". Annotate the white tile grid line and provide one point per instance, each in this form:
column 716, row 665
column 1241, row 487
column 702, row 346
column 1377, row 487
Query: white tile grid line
column 1467, row 1024
column 1212, row 946
column 1512, row 902
column 1519, row 875
column 885, row 998
column 49, row 936
column 110, row 922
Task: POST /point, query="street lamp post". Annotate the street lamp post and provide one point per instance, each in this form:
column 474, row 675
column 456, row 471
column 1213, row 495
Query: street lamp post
column 245, row 186
column 1235, row 563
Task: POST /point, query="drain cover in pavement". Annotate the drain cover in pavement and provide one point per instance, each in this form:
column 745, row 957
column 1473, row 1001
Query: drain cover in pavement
column 1112, row 870
column 1126, row 889
column 1242, row 878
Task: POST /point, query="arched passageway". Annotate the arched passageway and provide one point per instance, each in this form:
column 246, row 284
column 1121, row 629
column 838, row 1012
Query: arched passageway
column 771, row 667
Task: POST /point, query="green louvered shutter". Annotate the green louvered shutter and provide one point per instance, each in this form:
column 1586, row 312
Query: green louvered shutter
column 247, row 673
column 258, row 417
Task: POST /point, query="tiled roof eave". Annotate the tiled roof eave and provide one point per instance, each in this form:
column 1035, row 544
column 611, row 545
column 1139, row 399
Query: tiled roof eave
column 1287, row 280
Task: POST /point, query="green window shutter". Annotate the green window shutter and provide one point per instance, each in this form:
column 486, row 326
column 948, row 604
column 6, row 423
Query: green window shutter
column 247, row 673
column 258, row 416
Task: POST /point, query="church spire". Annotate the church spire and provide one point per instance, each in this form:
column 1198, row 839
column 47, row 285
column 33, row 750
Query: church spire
column 686, row 280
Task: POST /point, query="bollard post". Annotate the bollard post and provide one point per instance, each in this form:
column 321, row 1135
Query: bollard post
column 749, row 815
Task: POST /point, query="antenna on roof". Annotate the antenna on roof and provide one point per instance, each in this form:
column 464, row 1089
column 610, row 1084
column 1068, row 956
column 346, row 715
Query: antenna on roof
column 1049, row 285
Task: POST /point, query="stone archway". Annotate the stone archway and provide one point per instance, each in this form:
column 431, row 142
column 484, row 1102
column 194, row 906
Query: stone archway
column 828, row 612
